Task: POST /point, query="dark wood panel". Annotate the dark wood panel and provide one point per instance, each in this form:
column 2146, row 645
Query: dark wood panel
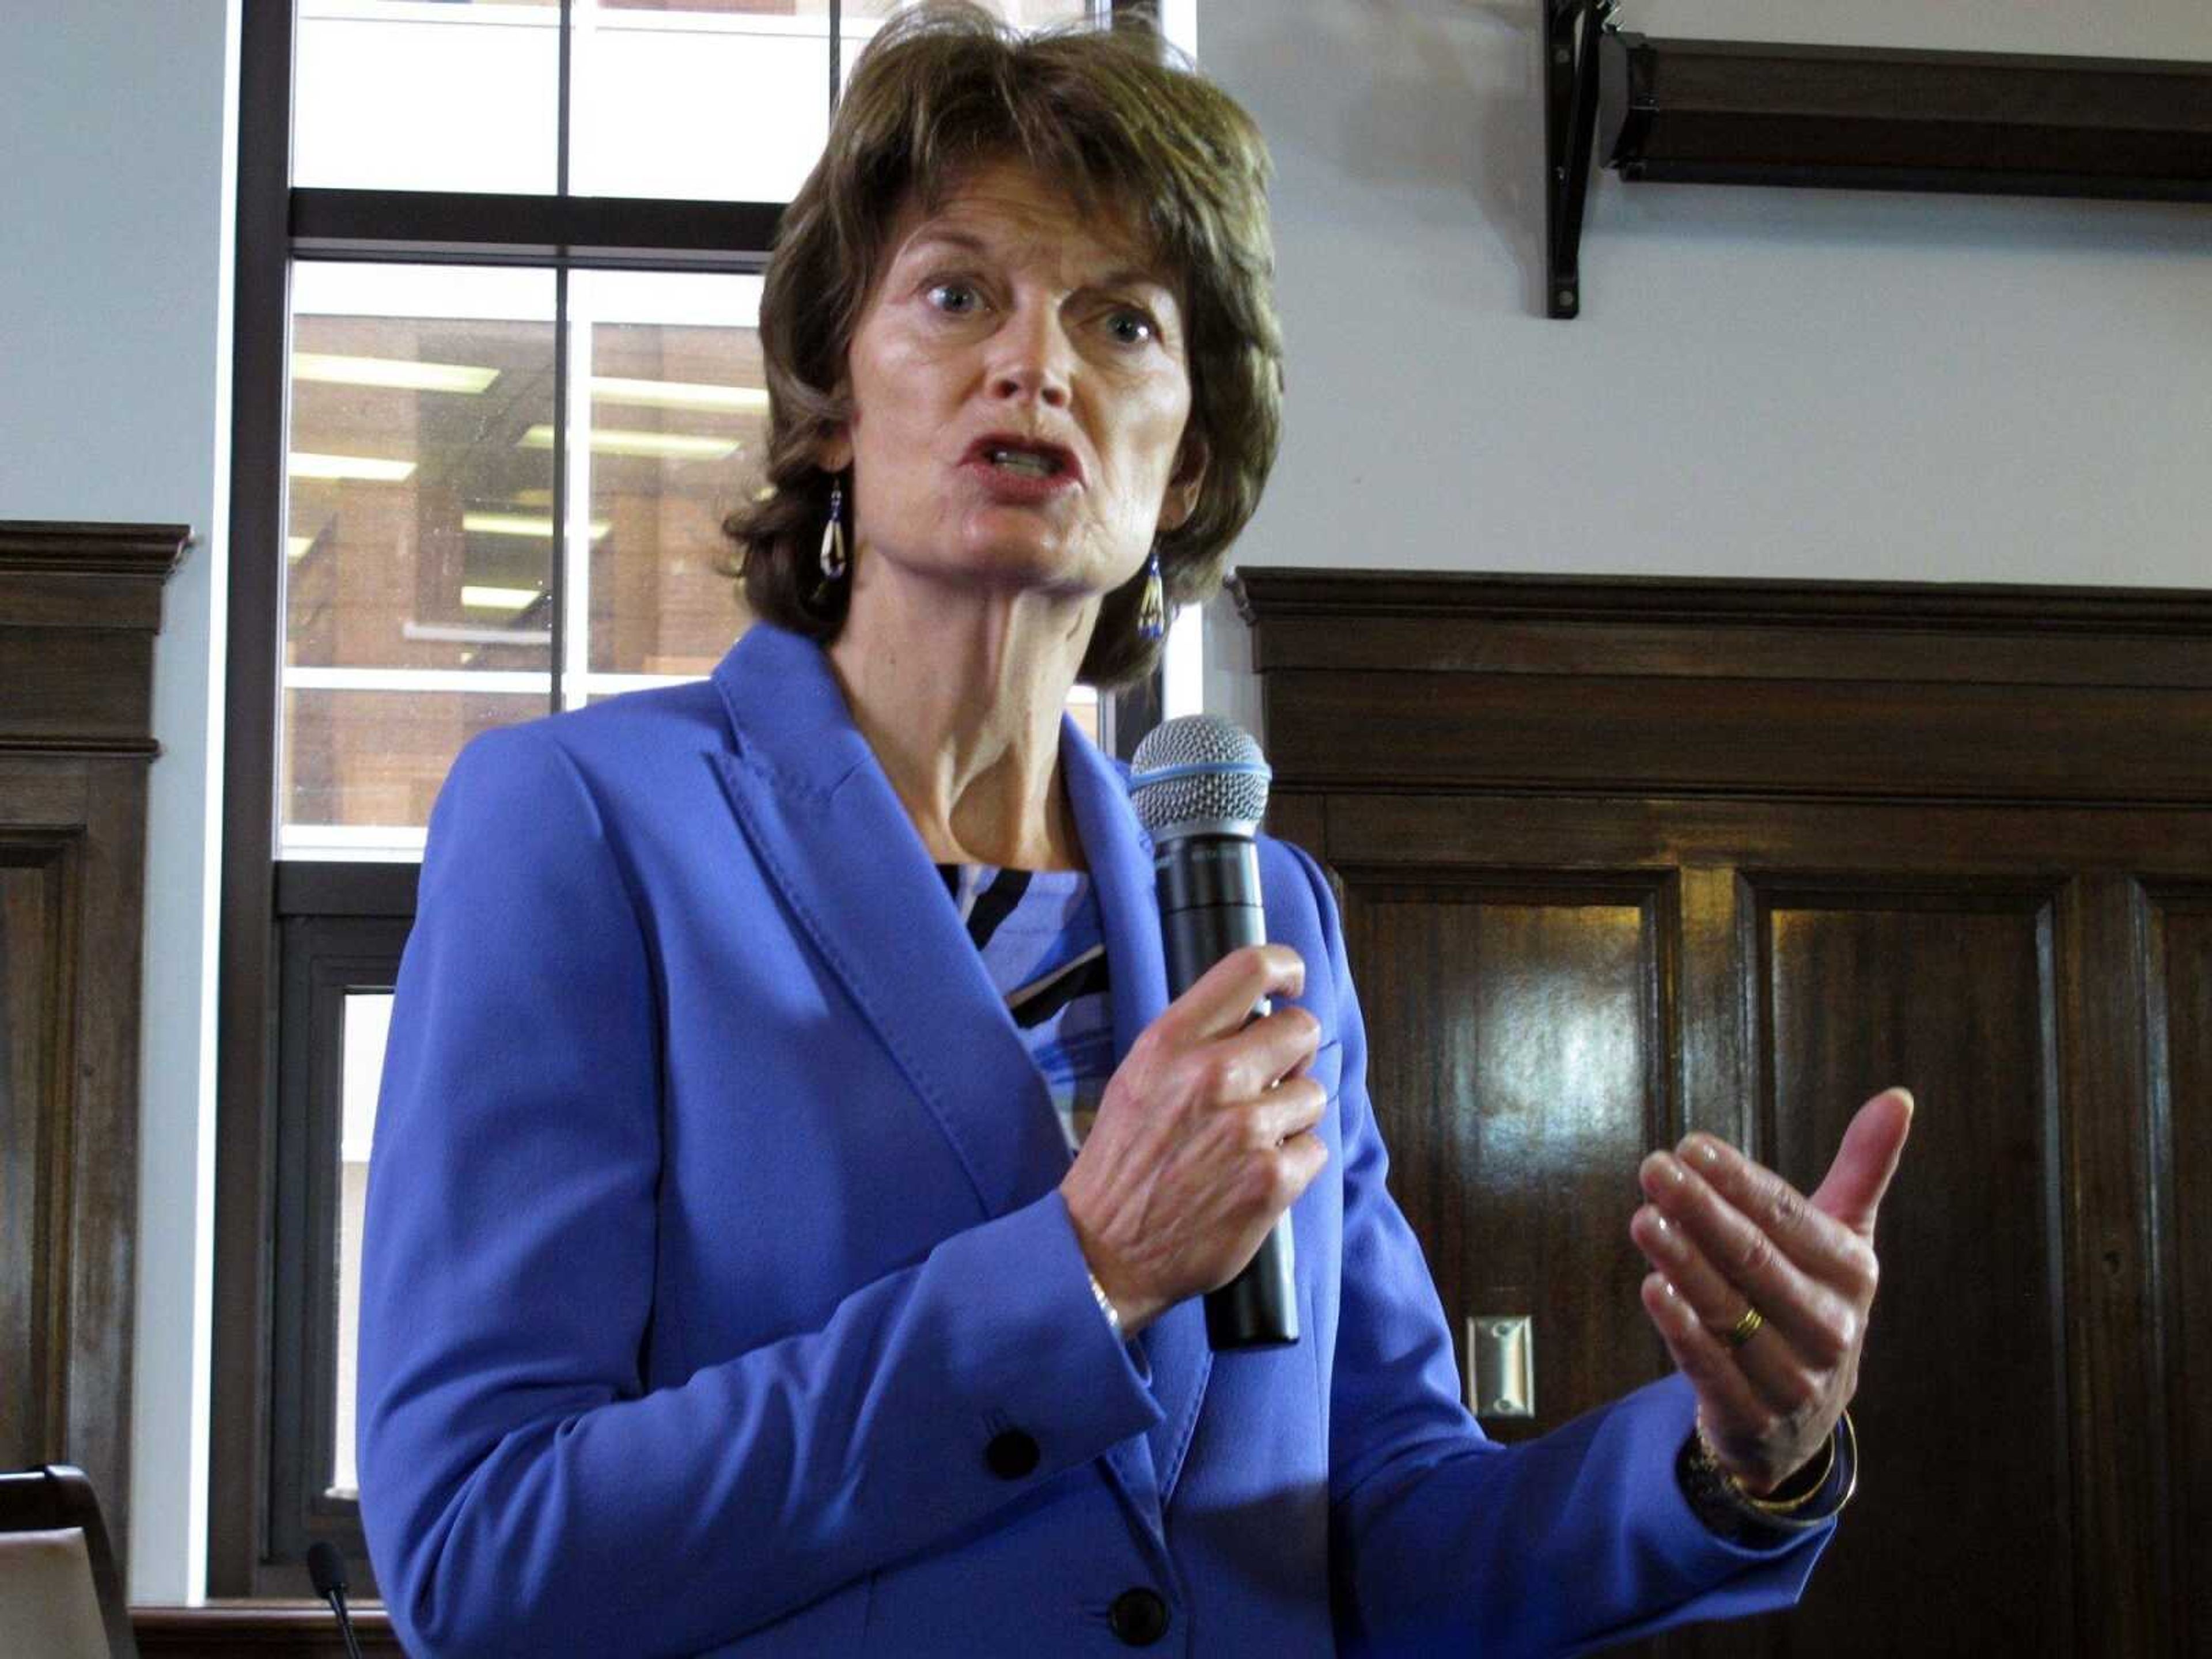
column 33, row 1300
column 2179, row 946
column 55, row 598
column 1905, row 838
column 1441, row 621
column 1429, row 643
column 1520, row 1072
column 265, row 1629
column 84, row 686
column 79, row 605
column 1951, row 994
column 1780, row 738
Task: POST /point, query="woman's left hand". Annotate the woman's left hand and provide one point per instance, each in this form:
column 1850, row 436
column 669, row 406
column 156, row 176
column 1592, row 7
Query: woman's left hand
column 1727, row 1236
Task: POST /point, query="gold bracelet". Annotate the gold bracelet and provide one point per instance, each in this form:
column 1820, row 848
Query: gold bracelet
column 1787, row 1508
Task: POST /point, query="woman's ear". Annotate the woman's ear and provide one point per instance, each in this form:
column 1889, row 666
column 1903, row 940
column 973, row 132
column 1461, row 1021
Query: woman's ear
column 1181, row 498
column 834, row 453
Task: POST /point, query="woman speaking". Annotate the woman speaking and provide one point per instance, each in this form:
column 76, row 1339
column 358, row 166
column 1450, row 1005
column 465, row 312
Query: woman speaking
column 794, row 1190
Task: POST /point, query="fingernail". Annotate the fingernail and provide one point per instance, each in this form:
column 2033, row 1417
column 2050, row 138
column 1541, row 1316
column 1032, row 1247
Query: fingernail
column 1663, row 1168
column 1909, row 1106
column 1699, row 1150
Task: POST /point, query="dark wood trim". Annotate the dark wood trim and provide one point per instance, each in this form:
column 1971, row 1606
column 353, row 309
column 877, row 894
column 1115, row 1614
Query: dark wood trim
column 75, row 738
column 148, row 552
column 1728, row 112
column 1270, row 594
column 280, row 1630
column 1700, row 678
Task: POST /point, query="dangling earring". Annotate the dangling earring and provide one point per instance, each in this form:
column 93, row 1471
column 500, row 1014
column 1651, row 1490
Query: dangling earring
column 1152, row 603
column 833, row 560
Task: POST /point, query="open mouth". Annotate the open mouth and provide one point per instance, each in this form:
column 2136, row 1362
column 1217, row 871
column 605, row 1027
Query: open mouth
column 1024, row 463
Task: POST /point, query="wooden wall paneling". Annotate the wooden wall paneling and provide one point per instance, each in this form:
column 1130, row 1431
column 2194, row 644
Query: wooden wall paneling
column 2177, row 972
column 1789, row 738
column 261, row 1631
column 79, row 608
column 36, row 877
column 1956, row 838
column 1518, row 1027
column 1946, row 985
column 2112, row 1354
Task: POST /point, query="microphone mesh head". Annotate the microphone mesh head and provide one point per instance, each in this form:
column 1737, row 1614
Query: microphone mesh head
column 1198, row 771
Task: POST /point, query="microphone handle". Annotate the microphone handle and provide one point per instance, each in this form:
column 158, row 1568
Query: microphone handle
column 337, row 1599
column 1209, row 888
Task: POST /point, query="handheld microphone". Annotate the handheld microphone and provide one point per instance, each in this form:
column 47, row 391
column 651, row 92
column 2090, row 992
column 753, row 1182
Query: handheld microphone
column 327, row 1571
column 1199, row 787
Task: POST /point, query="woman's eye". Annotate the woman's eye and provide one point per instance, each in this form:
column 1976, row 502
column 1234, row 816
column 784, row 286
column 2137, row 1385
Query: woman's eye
column 1131, row 327
column 955, row 299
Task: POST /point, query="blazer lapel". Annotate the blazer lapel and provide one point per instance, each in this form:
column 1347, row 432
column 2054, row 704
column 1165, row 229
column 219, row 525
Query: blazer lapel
column 831, row 834
column 1119, row 854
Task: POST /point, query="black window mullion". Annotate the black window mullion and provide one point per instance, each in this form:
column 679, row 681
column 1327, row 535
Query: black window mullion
column 430, row 227
column 561, row 98
column 558, row 576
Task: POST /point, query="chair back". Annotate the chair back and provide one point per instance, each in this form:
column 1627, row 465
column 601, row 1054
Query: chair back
column 59, row 1594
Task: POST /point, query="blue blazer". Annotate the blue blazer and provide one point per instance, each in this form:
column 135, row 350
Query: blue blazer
column 718, row 1294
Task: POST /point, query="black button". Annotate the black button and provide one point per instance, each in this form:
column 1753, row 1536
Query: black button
column 1138, row 1617
column 1012, row 1455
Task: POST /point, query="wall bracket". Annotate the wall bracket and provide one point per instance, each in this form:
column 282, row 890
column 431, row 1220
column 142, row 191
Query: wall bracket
column 1572, row 32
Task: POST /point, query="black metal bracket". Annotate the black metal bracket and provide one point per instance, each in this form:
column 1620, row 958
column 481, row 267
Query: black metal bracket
column 1571, row 28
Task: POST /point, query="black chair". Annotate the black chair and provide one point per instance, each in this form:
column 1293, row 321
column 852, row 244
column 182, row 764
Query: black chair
column 60, row 1597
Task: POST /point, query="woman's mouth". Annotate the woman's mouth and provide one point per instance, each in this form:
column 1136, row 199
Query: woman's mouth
column 1020, row 472
column 1025, row 462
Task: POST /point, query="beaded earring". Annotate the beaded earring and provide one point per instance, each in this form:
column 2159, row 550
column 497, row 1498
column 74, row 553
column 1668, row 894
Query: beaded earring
column 833, row 560
column 1152, row 603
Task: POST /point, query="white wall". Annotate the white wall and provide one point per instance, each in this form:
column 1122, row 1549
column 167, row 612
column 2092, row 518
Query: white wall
column 1766, row 383
column 1763, row 382
column 114, row 311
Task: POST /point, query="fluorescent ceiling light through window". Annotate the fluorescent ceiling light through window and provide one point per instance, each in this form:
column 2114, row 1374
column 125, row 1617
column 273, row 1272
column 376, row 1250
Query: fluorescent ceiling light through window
column 680, row 394
column 519, row 523
column 366, row 468
column 659, row 446
column 498, row 598
column 396, row 371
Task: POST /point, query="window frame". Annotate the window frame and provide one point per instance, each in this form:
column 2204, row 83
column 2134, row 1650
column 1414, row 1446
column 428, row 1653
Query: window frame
column 296, row 934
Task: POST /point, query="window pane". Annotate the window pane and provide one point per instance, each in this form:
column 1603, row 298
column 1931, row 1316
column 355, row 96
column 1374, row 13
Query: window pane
column 860, row 19
column 420, row 541
column 671, row 438
column 1022, row 13
column 362, row 767
column 426, row 94
column 698, row 99
column 367, row 1020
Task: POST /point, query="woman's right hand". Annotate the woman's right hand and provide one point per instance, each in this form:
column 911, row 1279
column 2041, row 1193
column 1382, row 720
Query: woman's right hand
column 1203, row 1138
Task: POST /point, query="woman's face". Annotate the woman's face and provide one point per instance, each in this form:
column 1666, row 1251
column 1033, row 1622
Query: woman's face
column 1019, row 393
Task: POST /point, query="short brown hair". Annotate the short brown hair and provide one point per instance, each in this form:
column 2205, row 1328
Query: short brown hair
column 1118, row 120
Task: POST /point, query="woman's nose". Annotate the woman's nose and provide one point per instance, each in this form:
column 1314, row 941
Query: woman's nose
column 1033, row 358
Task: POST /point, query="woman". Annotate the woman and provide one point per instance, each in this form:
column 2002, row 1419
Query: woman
column 744, row 1274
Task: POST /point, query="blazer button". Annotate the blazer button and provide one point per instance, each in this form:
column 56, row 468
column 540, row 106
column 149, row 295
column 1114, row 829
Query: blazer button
column 1138, row 1617
column 1012, row 1455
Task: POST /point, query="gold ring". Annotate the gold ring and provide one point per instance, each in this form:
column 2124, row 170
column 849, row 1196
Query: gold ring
column 1745, row 1327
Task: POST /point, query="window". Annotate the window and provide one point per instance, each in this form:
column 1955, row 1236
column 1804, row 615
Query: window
column 497, row 381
